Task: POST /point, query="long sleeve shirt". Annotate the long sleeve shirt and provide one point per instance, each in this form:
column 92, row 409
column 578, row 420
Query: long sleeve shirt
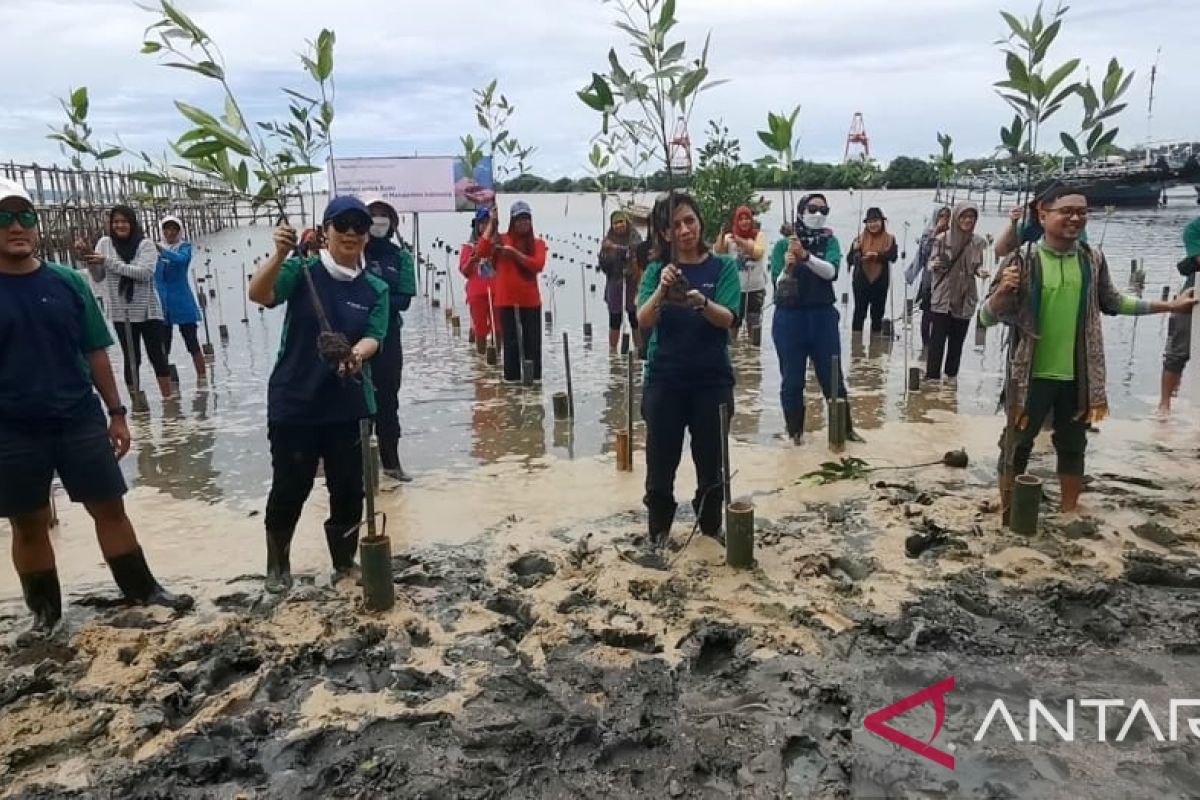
column 140, row 301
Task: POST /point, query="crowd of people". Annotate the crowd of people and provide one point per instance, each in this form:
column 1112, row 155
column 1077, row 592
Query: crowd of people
column 684, row 294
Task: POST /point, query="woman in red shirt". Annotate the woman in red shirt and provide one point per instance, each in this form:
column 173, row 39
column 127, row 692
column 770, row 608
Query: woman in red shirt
column 518, row 257
column 480, row 275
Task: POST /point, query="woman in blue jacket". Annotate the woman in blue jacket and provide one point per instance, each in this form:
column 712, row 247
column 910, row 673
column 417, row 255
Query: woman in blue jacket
column 175, row 291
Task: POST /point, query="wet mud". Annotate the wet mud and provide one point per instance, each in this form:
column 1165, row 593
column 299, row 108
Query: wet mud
column 542, row 661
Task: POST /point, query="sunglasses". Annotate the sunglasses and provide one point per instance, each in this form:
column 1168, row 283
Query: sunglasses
column 26, row 219
column 1078, row 213
column 817, row 209
column 351, row 223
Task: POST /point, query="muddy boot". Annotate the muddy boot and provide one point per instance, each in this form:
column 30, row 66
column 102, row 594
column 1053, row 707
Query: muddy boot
column 343, row 546
column 397, row 473
column 43, row 597
column 138, row 585
column 661, row 515
column 709, row 511
column 279, row 563
column 793, row 420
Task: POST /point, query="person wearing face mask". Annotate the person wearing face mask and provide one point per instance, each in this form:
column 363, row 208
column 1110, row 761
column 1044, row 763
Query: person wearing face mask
column 618, row 262
column 519, row 256
column 175, row 292
column 956, row 261
column 394, row 266
column 870, row 258
column 314, row 405
column 1051, row 296
column 919, row 269
column 806, row 323
column 480, row 275
column 747, row 244
column 124, row 261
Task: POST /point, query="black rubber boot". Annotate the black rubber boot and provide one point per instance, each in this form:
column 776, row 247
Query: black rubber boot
column 794, row 422
column 343, row 546
column 43, row 596
column 851, row 435
column 710, row 513
column 279, row 562
column 138, row 585
column 660, row 516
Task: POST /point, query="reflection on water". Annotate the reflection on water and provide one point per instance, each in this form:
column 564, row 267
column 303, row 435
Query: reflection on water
column 211, row 444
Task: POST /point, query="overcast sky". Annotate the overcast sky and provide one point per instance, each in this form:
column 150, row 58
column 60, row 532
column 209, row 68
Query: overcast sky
column 405, row 70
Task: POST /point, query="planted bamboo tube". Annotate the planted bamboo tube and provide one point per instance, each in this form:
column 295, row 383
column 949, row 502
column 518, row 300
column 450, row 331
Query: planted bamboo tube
column 562, row 407
column 624, row 452
column 739, row 535
column 375, row 549
column 1026, row 503
column 490, row 355
column 914, row 379
column 624, row 343
column 587, row 330
column 837, row 425
column 756, row 336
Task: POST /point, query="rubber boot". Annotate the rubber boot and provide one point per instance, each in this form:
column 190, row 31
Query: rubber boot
column 851, row 435
column 43, row 596
column 397, row 473
column 793, row 420
column 138, row 585
column 279, row 562
column 660, row 516
column 711, row 513
column 343, row 546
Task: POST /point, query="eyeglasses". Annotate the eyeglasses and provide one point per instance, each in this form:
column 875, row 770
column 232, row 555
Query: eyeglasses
column 351, row 223
column 817, row 209
column 1077, row 212
column 26, row 219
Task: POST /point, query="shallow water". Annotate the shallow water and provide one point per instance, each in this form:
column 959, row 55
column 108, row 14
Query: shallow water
column 209, row 447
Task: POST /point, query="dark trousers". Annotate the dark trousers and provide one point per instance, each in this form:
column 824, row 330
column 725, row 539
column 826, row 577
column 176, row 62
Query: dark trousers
column 801, row 335
column 386, row 369
column 750, row 310
column 926, row 327
column 946, row 338
column 1060, row 398
column 131, row 335
column 870, row 297
column 526, row 341
column 190, row 340
column 669, row 412
column 295, row 451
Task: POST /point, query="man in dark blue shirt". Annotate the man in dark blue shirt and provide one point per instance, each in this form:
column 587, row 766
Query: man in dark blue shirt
column 53, row 344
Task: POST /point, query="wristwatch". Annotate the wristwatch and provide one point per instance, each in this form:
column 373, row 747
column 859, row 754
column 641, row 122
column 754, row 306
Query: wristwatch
column 119, row 411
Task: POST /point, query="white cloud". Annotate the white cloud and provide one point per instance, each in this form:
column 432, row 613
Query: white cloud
column 405, row 70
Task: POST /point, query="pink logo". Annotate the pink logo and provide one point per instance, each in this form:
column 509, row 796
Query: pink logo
column 876, row 722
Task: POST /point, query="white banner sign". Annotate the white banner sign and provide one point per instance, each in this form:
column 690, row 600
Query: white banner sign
column 416, row 184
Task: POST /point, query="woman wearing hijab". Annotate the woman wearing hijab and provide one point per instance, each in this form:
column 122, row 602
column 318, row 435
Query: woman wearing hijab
column 956, row 260
column 393, row 265
column 480, row 275
column 747, row 244
column 175, row 292
column 806, row 322
column 124, row 261
column 688, row 302
column 919, row 268
column 519, row 256
column 618, row 262
column 870, row 257
column 337, row 317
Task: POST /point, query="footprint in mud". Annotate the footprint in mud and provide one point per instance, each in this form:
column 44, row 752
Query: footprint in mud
column 711, row 648
column 803, row 764
column 532, row 568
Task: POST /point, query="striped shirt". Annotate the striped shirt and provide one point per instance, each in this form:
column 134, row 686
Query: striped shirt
column 144, row 303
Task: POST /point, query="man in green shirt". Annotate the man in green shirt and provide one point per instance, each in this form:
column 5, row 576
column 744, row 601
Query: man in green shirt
column 1052, row 294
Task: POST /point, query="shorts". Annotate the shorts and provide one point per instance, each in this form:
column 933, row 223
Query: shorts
column 78, row 449
column 1179, row 342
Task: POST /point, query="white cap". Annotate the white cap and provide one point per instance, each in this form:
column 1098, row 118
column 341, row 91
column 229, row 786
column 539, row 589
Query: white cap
column 12, row 189
column 170, row 218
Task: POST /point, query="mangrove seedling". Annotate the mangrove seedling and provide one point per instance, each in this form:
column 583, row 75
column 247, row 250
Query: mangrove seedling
column 75, row 136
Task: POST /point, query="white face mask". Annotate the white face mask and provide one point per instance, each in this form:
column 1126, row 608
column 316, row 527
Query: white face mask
column 380, row 226
column 814, row 221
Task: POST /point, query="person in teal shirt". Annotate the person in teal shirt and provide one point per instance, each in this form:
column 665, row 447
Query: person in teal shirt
column 687, row 303
column 1052, row 296
column 1179, row 330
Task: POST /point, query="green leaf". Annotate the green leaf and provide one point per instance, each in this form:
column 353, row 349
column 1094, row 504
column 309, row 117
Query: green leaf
column 1015, row 25
column 79, row 102
column 634, row 33
column 202, row 149
column 1124, row 86
column 206, row 68
column 1045, row 40
column 298, row 171
column 242, row 178
column 299, row 96
column 1094, row 137
column 228, row 139
column 327, row 114
column 149, row 178
column 231, row 114
column 1111, row 112
column 1105, row 142
column 1061, row 74
column 151, row 47
column 1111, row 81
column 111, row 152
column 666, row 17
column 674, row 53
column 689, row 84
column 1017, row 73
column 1070, row 144
column 197, row 116
column 183, row 21
column 324, row 56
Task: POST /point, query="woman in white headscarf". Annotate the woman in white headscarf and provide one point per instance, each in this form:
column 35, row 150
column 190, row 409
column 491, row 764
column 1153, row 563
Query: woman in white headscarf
column 175, row 291
column 955, row 262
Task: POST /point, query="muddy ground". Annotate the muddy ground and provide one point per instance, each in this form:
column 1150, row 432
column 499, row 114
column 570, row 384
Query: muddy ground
column 548, row 664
